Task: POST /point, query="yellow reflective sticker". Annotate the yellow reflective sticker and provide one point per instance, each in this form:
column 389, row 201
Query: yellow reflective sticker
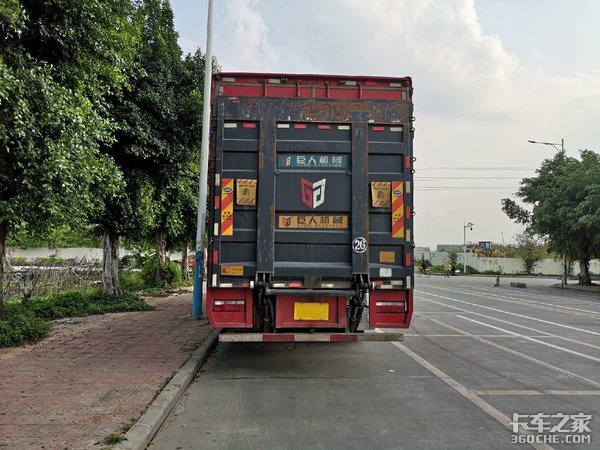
column 232, row 271
column 380, row 194
column 311, row 311
column 313, row 222
column 387, row 257
column 245, row 192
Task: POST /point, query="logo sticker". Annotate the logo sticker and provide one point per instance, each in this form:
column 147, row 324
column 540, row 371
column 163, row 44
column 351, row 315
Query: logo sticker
column 359, row 245
column 312, row 194
column 313, row 222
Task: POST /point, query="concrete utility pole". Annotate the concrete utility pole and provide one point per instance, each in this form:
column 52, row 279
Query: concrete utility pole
column 203, row 183
column 470, row 227
column 565, row 277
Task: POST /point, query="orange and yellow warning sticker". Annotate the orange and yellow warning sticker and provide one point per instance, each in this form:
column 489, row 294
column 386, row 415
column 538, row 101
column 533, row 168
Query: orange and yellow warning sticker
column 380, row 194
column 227, row 207
column 387, row 257
column 232, row 271
column 397, row 210
column 245, row 191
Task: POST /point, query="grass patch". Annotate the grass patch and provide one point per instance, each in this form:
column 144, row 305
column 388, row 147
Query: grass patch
column 113, row 439
column 82, row 303
column 28, row 319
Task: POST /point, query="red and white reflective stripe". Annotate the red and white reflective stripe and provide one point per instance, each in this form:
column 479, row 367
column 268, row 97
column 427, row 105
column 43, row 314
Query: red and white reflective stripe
column 323, row 127
column 378, row 128
column 222, row 306
column 299, row 125
column 309, row 337
column 228, row 302
column 388, row 303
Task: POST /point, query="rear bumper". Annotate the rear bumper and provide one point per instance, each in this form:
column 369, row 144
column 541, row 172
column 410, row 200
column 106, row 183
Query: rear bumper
column 234, row 308
column 310, row 337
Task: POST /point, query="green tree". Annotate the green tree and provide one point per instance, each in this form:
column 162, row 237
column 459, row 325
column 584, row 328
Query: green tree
column 564, row 207
column 169, row 107
column 453, row 256
column 182, row 214
column 58, row 61
column 529, row 249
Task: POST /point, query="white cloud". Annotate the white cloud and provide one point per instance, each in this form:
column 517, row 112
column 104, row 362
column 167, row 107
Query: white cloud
column 476, row 103
column 244, row 38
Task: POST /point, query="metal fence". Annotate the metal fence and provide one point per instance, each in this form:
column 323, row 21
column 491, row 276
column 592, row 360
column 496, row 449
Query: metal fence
column 48, row 276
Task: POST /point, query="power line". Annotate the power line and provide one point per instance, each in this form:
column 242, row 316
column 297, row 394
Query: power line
column 499, row 168
column 438, row 188
column 467, row 178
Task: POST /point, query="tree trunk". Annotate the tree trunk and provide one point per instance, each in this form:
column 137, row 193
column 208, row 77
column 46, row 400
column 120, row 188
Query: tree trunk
column 185, row 268
column 584, row 269
column 3, row 233
column 160, row 237
column 110, row 265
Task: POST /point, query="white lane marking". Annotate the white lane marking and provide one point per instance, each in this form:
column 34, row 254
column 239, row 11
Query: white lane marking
column 463, row 336
column 552, row 392
column 533, row 302
column 547, row 344
column 537, row 294
column 548, row 334
column 466, row 393
column 520, row 355
column 513, row 314
column 523, row 302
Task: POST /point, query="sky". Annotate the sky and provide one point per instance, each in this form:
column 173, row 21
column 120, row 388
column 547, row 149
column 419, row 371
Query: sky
column 488, row 76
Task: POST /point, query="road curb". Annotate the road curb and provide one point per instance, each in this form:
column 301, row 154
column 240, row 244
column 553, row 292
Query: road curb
column 141, row 433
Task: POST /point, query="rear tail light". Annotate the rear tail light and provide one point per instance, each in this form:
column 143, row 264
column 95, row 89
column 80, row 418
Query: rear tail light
column 229, row 305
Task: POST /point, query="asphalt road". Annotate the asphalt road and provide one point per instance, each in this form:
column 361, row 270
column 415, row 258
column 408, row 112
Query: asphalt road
column 474, row 356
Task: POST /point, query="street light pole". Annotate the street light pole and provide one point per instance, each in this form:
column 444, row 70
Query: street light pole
column 565, row 277
column 465, row 226
column 562, row 144
column 203, row 181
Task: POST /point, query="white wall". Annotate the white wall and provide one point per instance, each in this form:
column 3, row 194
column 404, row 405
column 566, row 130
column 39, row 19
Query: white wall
column 505, row 265
column 71, row 253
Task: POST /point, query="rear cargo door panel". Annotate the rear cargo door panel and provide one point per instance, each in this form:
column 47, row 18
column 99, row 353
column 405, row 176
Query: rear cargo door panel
column 313, row 205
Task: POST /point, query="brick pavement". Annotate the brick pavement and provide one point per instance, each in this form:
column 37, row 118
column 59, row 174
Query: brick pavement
column 93, row 375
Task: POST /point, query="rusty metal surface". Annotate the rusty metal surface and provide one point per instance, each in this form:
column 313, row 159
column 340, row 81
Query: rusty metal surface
column 323, row 248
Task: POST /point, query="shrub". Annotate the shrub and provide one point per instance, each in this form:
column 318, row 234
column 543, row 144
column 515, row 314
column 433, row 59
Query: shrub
column 82, row 303
column 18, row 260
column 27, row 320
column 131, row 281
column 21, row 325
column 472, row 270
column 171, row 274
column 51, row 260
column 133, row 261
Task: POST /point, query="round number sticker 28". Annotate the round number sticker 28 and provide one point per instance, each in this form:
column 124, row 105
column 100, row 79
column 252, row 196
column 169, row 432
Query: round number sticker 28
column 359, row 245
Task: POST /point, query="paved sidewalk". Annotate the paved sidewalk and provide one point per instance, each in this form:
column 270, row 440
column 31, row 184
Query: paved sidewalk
column 93, row 375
